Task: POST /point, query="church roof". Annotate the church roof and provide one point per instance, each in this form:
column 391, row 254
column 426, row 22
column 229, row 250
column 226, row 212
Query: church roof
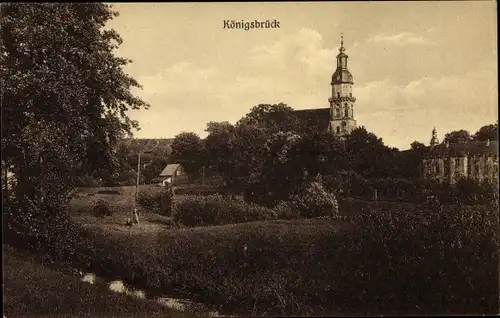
column 474, row 148
column 314, row 119
column 342, row 76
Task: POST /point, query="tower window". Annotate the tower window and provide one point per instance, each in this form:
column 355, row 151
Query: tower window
column 350, row 94
column 337, row 112
column 338, row 95
column 346, row 112
column 338, row 130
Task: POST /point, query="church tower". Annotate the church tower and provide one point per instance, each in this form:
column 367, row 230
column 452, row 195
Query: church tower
column 342, row 102
column 434, row 139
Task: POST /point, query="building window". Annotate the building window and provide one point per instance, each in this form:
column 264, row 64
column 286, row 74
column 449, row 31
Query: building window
column 457, row 162
column 337, row 112
column 346, row 112
column 338, row 94
column 338, row 130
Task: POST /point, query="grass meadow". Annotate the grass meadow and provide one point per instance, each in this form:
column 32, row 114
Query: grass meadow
column 381, row 258
column 30, row 287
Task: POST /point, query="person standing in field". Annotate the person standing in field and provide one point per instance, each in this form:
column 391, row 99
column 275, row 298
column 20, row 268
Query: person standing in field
column 136, row 217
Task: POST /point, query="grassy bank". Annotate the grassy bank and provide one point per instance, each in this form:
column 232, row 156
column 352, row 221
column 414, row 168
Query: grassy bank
column 389, row 259
column 34, row 290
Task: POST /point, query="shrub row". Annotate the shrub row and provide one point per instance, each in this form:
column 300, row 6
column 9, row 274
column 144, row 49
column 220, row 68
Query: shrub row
column 219, row 210
column 157, row 200
column 200, row 190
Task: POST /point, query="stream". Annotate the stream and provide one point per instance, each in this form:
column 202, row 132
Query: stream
column 183, row 305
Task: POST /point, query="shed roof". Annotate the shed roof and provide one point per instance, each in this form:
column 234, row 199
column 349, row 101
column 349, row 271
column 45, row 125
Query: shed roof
column 170, row 170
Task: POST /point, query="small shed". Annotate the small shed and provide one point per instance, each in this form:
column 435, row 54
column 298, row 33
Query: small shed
column 172, row 174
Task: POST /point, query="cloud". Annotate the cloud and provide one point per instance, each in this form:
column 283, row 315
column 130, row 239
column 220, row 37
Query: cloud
column 400, row 39
column 179, row 78
column 302, row 50
column 296, row 69
column 289, row 70
column 404, row 113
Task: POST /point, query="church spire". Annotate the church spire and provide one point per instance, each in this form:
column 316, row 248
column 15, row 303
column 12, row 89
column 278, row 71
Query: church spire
column 434, row 139
column 342, row 48
column 342, row 57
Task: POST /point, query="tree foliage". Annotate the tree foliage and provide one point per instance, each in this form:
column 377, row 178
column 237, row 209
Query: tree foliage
column 457, row 136
column 188, row 149
column 488, row 132
column 65, row 97
column 271, row 118
column 368, row 155
column 219, row 147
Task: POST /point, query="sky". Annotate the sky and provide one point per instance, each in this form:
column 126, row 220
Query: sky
column 416, row 65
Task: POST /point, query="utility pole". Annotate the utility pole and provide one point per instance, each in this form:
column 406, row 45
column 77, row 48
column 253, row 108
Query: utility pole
column 203, row 175
column 138, row 176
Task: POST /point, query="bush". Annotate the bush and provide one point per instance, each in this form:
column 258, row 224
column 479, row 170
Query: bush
column 286, row 210
column 349, row 184
column 200, row 190
column 102, row 208
column 109, row 191
column 315, row 201
column 159, row 200
column 409, row 254
column 86, row 182
column 219, row 210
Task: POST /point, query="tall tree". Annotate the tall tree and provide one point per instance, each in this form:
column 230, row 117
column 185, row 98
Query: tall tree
column 417, row 145
column 322, row 153
column 271, row 118
column 408, row 162
column 65, row 97
column 219, row 147
column 188, row 149
column 368, row 155
column 487, row 132
column 457, row 136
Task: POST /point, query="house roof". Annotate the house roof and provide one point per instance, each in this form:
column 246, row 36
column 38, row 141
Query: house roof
column 316, row 119
column 476, row 148
column 170, row 170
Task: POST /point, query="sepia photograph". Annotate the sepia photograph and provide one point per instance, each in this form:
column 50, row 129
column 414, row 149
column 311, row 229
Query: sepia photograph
column 249, row 159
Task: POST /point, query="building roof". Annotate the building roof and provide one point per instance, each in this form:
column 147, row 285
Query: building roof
column 170, row 170
column 475, row 148
column 315, row 119
column 342, row 76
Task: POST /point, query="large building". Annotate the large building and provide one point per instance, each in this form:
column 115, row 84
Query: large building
column 447, row 162
column 339, row 116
